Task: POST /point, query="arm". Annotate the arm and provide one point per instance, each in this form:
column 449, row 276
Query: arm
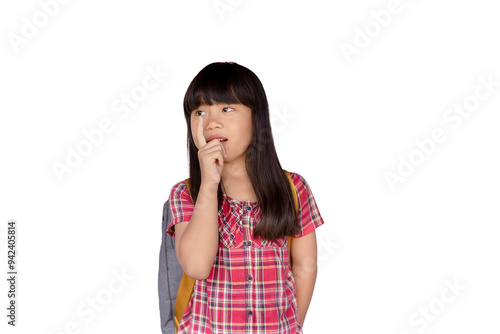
column 197, row 241
column 304, row 269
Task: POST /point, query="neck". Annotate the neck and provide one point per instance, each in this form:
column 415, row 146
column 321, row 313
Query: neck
column 236, row 182
column 233, row 173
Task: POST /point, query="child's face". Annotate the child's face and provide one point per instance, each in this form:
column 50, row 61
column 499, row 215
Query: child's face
column 231, row 121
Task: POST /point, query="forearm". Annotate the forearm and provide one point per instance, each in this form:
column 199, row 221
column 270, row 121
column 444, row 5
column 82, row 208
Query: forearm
column 305, row 279
column 200, row 240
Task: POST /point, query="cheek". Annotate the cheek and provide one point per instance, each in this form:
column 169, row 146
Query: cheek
column 246, row 137
column 249, row 131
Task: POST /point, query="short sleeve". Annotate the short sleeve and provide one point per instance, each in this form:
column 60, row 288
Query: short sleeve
column 181, row 206
column 309, row 215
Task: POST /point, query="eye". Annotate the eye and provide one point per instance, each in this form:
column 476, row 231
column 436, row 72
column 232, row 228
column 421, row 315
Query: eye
column 226, row 109
column 196, row 113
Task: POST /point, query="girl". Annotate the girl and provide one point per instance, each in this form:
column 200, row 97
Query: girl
column 231, row 238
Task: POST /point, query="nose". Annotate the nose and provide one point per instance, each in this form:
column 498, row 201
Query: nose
column 212, row 121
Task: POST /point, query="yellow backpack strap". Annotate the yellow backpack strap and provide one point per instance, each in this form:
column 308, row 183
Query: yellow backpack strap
column 294, row 192
column 296, row 200
column 184, row 292
column 183, row 296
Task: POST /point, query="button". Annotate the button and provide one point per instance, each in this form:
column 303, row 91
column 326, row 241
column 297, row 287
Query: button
column 249, row 243
column 248, row 208
column 250, row 313
column 249, row 278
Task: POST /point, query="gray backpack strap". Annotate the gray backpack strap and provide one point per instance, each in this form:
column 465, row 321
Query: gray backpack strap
column 169, row 275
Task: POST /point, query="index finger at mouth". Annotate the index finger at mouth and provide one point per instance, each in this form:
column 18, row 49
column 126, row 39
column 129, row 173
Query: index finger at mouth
column 201, row 138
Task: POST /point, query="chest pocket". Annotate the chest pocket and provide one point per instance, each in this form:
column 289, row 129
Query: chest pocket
column 231, row 234
column 236, row 228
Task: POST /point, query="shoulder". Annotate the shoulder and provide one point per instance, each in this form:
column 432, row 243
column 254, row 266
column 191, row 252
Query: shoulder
column 309, row 215
column 181, row 205
column 303, row 189
column 179, row 186
column 299, row 181
column 179, row 191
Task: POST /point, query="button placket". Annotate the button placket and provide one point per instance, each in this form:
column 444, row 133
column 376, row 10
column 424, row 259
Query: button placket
column 247, row 216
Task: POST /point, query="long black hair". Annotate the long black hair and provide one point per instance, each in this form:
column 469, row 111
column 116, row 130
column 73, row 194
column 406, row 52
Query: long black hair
column 229, row 82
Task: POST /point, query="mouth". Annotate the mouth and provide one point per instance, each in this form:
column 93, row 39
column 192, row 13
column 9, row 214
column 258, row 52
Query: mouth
column 223, row 141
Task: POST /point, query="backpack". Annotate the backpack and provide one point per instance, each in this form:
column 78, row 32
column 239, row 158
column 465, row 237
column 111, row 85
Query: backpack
column 174, row 286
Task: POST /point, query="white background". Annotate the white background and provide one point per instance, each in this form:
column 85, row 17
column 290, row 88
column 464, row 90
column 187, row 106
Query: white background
column 385, row 254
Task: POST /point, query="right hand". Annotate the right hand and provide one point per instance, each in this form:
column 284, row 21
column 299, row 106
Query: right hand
column 211, row 156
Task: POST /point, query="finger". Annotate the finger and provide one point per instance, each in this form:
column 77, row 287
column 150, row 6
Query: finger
column 201, row 139
column 225, row 152
column 216, row 143
column 221, row 160
column 215, row 154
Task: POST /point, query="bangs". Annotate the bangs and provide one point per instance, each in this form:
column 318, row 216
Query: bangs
column 218, row 84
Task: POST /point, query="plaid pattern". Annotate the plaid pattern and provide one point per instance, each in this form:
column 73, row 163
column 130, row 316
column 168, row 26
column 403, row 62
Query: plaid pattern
column 251, row 288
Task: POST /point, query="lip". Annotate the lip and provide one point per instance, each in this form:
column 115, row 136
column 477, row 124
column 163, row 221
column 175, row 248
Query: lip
column 216, row 137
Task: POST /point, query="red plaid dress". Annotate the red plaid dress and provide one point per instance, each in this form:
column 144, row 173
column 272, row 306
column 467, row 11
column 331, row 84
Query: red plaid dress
column 251, row 288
